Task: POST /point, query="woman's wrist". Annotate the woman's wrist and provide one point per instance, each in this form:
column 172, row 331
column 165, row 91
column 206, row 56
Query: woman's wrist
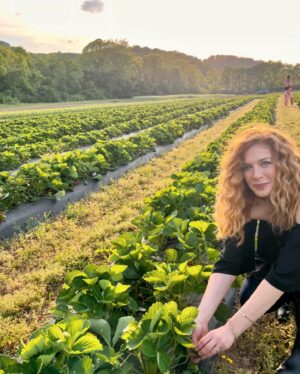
column 238, row 323
column 201, row 319
column 232, row 329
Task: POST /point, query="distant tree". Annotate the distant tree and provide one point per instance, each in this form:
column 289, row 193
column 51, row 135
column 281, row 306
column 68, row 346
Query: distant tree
column 112, row 68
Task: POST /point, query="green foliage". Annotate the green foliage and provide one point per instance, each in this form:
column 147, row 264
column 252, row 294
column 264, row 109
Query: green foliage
column 95, row 292
column 161, row 336
column 56, row 173
column 173, row 281
column 141, row 296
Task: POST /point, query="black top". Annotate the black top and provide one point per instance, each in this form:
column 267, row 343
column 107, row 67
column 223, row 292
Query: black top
column 269, row 256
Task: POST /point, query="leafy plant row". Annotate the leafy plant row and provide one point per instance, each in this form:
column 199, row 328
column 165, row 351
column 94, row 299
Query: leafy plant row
column 132, row 315
column 55, row 174
column 17, row 151
column 31, row 128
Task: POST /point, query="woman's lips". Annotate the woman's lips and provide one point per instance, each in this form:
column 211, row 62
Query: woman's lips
column 260, row 186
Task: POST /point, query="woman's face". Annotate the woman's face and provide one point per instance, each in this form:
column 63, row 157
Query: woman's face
column 258, row 169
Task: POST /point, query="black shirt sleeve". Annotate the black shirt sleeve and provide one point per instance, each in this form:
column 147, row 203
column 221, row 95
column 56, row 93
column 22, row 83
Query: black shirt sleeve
column 285, row 271
column 234, row 259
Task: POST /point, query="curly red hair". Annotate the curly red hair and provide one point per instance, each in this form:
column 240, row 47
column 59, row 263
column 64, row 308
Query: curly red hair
column 234, row 198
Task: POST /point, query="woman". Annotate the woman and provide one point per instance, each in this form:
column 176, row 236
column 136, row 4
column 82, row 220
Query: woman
column 288, row 91
column 258, row 213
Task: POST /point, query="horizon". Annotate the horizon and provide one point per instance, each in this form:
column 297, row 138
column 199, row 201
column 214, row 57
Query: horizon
column 228, row 55
column 257, row 30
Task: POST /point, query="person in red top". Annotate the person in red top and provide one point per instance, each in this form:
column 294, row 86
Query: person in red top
column 258, row 215
column 288, row 91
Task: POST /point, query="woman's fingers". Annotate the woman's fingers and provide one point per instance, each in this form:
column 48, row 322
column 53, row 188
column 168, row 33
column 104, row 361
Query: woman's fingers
column 197, row 334
column 202, row 342
column 209, row 349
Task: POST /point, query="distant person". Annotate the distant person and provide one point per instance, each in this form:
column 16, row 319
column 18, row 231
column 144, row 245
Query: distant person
column 288, row 91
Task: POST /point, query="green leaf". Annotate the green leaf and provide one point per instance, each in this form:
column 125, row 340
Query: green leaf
column 212, row 254
column 55, row 333
column 121, row 288
column 183, row 333
column 121, row 326
column 171, row 307
column 153, row 311
column 34, row 347
column 74, row 274
column 91, row 281
column 187, row 315
column 194, row 271
column 60, row 194
column 185, row 342
column 164, row 341
column 86, row 344
column 177, row 278
column 91, row 270
column 222, row 313
column 118, row 269
column 104, row 284
column 102, row 328
column 9, row 365
column 148, row 348
column 163, row 361
column 77, row 327
column 171, row 255
column 45, row 360
column 81, row 366
column 156, row 318
column 201, row 226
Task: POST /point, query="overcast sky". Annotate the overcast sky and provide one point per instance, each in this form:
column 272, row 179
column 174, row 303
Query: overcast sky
column 261, row 29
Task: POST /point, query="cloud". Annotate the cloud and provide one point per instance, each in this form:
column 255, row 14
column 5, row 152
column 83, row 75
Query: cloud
column 92, row 6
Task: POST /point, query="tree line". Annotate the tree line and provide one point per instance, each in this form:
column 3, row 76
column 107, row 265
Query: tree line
column 113, row 69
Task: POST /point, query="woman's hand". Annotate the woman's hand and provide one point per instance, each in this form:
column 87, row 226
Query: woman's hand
column 213, row 342
column 200, row 330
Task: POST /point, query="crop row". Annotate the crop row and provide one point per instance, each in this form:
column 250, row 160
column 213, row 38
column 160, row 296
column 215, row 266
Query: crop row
column 57, row 173
column 131, row 315
column 64, row 123
column 60, row 139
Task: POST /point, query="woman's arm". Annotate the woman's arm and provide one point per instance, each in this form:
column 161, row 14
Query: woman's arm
column 217, row 287
column 222, row 338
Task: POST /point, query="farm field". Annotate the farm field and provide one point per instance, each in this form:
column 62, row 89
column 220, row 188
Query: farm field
column 33, row 265
column 11, row 109
column 27, row 137
column 73, row 214
column 134, row 157
column 56, row 173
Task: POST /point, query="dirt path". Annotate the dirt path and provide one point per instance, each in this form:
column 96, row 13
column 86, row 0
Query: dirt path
column 33, row 266
column 288, row 120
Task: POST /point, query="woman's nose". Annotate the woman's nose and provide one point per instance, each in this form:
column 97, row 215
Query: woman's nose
column 257, row 172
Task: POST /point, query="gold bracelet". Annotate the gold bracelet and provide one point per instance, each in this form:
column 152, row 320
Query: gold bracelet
column 232, row 329
column 247, row 318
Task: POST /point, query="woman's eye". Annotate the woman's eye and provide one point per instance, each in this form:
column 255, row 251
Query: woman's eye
column 246, row 167
column 266, row 163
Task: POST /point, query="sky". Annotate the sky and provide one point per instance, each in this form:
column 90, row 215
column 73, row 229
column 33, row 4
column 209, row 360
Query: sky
column 260, row 29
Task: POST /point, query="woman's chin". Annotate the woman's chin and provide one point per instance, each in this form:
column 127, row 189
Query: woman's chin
column 262, row 194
